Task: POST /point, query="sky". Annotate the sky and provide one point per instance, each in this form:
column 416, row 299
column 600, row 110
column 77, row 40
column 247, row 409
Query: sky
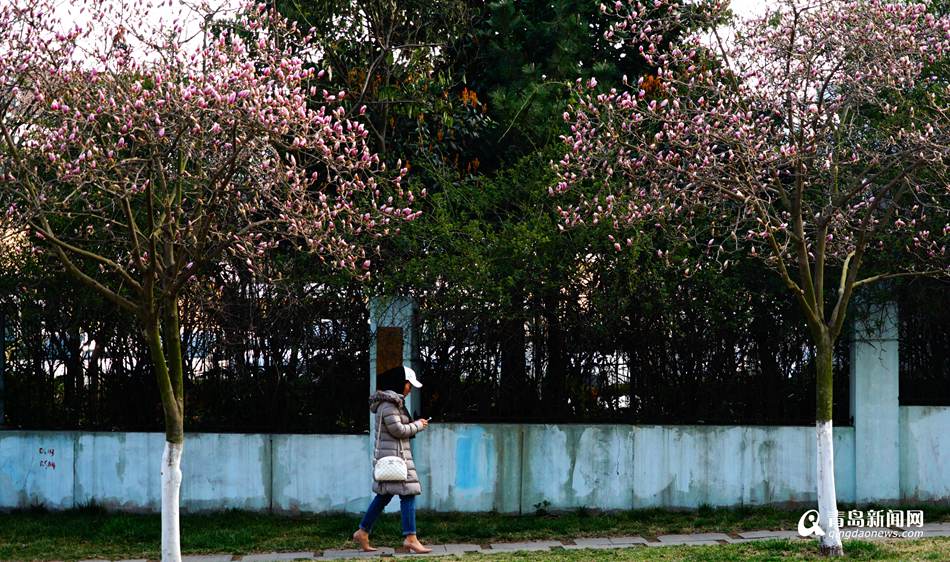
column 165, row 11
column 159, row 14
column 169, row 9
column 749, row 7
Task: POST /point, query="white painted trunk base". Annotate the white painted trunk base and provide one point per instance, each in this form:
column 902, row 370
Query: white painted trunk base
column 827, row 498
column 171, row 485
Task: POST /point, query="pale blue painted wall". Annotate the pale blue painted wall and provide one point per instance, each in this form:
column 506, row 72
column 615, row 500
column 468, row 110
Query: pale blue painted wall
column 925, row 453
column 109, row 469
column 467, row 467
column 36, row 468
column 875, row 406
column 320, row 473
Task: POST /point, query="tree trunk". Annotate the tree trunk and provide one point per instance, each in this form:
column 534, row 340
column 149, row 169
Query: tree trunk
column 167, row 363
column 171, row 485
column 830, row 542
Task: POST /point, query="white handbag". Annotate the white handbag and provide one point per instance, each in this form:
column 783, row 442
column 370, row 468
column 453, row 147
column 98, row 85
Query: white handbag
column 389, row 469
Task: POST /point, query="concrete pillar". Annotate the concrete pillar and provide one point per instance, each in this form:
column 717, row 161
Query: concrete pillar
column 874, row 404
column 393, row 341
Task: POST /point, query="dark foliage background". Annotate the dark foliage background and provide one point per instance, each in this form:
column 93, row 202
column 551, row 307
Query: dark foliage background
column 925, row 342
column 706, row 350
column 286, row 358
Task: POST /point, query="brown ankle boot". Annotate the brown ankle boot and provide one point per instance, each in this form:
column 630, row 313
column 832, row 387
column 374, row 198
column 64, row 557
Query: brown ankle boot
column 415, row 547
column 361, row 538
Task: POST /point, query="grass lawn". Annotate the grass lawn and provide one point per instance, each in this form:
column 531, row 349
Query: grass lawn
column 922, row 549
column 92, row 533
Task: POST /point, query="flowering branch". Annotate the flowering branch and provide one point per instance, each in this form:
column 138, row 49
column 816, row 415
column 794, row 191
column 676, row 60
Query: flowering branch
column 814, row 132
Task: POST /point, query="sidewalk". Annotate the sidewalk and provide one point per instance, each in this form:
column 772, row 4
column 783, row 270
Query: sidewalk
column 698, row 539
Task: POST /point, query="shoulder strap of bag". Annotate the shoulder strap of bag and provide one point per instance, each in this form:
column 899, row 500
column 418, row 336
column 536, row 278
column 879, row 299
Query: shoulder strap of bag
column 379, row 429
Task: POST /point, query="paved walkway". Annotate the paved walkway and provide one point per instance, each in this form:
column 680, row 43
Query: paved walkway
column 698, row 539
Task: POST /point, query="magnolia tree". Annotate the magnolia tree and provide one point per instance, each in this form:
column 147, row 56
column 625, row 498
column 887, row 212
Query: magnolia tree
column 143, row 153
column 815, row 137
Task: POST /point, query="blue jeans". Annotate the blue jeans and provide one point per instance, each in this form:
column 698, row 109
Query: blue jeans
column 407, row 504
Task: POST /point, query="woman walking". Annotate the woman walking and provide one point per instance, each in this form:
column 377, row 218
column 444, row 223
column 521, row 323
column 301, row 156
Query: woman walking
column 393, row 432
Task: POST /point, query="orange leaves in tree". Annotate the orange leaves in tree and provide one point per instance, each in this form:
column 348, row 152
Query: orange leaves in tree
column 652, row 85
column 469, row 97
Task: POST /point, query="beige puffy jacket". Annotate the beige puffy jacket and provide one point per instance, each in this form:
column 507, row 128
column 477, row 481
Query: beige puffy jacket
column 394, row 434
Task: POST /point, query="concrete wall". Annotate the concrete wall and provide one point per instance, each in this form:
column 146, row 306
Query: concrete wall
column 121, row 470
column 511, row 468
column 925, row 453
column 37, row 468
column 320, row 473
column 875, row 408
column 466, row 467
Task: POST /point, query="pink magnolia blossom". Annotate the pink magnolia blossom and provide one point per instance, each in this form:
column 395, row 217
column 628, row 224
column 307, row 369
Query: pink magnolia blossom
column 816, row 129
column 202, row 153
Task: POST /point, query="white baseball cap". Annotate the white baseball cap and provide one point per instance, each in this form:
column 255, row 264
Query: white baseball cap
column 411, row 377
